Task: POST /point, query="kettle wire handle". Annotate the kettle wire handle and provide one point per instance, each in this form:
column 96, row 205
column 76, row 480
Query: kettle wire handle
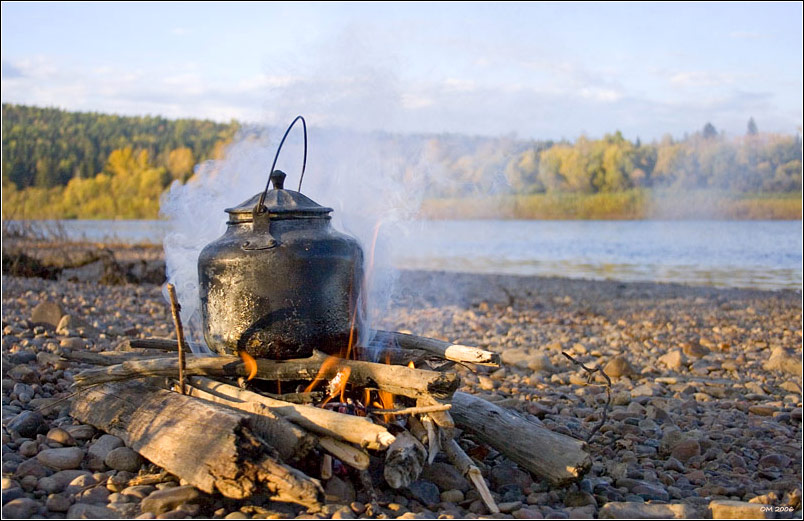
column 259, row 207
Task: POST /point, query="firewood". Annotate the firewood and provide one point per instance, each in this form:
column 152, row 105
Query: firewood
column 291, row 441
column 404, row 460
column 446, row 350
column 465, row 465
column 345, row 452
column 164, row 344
column 349, row 428
column 105, row 358
column 555, row 457
column 395, row 379
column 209, row 446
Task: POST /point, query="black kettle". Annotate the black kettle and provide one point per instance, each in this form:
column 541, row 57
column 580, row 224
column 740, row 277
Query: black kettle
column 281, row 281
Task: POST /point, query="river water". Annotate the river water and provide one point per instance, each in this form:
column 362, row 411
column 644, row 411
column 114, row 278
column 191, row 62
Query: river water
column 752, row 254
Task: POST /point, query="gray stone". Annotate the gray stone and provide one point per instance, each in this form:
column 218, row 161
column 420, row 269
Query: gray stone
column 59, row 481
column 505, row 474
column 425, row 492
column 94, row 495
column 686, row 449
column 13, row 493
column 27, row 424
column 339, row 491
column 58, row 503
column 47, row 313
column 123, row 458
column 100, row 449
column 62, row 459
column 674, row 464
column 445, row 476
column 32, row 467
column 80, row 432
column 165, row 500
column 781, row 360
column 644, row 489
column 20, row 508
column 674, row 360
column 60, row 436
column 138, row 491
column 619, row 366
column 452, row 496
column 89, row 511
column 23, row 373
column 29, row 448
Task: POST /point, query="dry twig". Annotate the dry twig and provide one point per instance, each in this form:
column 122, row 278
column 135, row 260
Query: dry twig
column 591, row 372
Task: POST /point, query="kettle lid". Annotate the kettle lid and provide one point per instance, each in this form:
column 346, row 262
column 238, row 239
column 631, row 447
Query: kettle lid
column 279, row 203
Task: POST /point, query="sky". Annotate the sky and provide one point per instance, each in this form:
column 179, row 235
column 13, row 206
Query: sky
column 532, row 70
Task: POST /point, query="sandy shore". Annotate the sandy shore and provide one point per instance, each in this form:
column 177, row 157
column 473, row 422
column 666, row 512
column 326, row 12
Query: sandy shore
column 706, row 392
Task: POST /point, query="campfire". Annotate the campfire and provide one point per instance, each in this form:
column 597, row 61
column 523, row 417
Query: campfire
column 256, row 426
column 302, row 388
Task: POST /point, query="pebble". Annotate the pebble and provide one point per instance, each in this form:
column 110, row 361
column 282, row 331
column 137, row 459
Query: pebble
column 61, row 436
column 339, row 491
column 618, row 367
column 161, row 501
column 59, row 481
column 503, row 475
column 27, row 423
column 96, row 455
column 685, row 449
column 58, row 503
column 63, row 458
column 425, row 492
column 123, row 458
column 445, row 476
column 20, row 508
column 452, row 496
column 89, row 511
column 48, row 313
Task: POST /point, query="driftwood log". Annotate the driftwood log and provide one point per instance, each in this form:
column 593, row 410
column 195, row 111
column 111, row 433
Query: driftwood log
column 211, row 447
column 290, row 441
column 346, row 427
column 558, row 458
column 440, row 348
column 404, row 460
column 399, row 380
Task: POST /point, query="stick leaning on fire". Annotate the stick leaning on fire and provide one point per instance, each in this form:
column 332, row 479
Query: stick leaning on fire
column 273, row 433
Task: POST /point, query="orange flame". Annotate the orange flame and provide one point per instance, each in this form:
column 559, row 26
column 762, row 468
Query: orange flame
column 328, row 364
column 338, row 384
column 250, row 363
column 411, row 365
column 386, row 398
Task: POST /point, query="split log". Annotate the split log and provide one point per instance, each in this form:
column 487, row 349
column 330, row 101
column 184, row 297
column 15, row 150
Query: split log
column 105, row 358
column 404, row 460
column 377, row 352
column 470, row 471
column 346, row 427
column 395, row 379
column 209, row 446
column 164, row 344
column 291, row 441
column 555, row 457
column 446, row 350
column 345, row 452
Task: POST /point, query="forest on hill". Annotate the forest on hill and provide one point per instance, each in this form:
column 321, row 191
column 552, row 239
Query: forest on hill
column 59, row 164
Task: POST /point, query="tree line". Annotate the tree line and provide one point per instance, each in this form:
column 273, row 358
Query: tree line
column 59, row 164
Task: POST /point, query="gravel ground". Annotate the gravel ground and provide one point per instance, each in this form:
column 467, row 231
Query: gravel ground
column 706, row 415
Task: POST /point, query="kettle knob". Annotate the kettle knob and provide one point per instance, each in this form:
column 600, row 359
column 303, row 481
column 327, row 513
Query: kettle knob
column 278, row 179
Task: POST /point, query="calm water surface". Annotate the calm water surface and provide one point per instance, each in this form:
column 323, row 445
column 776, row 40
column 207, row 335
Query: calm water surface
column 755, row 254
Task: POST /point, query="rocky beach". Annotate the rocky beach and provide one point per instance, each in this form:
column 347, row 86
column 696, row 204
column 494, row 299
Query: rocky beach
column 705, row 419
